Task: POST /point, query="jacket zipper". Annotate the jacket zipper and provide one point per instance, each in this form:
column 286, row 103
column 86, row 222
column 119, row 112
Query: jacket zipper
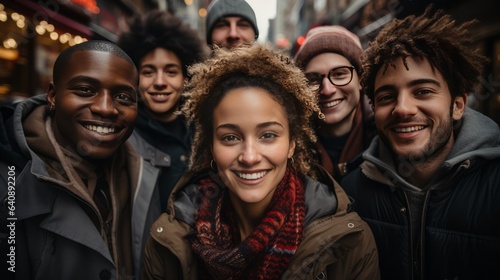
column 410, row 232
column 422, row 232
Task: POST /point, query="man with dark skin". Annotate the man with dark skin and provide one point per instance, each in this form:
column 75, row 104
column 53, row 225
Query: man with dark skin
column 75, row 176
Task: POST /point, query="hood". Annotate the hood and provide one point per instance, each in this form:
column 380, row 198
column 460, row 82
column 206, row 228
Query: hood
column 12, row 139
column 477, row 136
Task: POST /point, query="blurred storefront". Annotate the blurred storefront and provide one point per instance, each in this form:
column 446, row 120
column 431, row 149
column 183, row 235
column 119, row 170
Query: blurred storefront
column 34, row 32
column 32, row 35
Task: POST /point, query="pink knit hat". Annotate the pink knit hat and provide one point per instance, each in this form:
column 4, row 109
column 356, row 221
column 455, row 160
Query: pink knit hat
column 334, row 39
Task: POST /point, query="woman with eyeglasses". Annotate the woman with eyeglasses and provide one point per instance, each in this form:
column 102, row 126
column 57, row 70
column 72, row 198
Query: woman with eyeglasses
column 331, row 60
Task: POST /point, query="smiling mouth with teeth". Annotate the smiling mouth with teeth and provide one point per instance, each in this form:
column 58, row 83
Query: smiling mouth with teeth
column 251, row 176
column 100, row 129
column 331, row 104
column 409, row 129
column 159, row 94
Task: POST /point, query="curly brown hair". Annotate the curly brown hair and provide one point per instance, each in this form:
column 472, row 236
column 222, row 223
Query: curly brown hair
column 256, row 65
column 432, row 35
column 161, row 29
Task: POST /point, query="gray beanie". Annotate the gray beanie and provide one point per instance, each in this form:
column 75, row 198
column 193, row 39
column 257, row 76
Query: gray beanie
column 219, row 9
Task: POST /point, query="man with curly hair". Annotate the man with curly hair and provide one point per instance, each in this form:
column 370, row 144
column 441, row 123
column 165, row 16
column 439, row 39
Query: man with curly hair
column 430, row 183
column 162, row 46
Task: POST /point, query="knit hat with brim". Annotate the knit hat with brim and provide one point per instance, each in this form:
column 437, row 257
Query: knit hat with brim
column 219, row 9
column 330, row 39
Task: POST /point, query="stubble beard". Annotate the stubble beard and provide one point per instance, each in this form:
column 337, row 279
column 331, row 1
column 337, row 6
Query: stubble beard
column 434, row 148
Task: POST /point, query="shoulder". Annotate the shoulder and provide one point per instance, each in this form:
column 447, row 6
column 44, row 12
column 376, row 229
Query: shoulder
column 340, row 246
column 185, row 197
column 9, row 148
column 320, row 199
column 160, row 260
column 352, row 180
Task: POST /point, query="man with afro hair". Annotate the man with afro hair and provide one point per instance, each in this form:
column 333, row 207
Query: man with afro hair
column 162, row 47
column 430, row 183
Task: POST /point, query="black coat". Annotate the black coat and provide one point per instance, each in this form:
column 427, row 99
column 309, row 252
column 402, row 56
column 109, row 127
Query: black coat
column 460, row 236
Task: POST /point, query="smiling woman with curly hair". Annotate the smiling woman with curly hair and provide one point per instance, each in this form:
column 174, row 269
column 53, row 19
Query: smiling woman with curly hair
column 249, row 207
column 257, row 67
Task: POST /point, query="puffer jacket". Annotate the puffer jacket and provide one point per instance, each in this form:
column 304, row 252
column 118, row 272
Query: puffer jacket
column 460, row 232
column 337, row 244
column 59, row 233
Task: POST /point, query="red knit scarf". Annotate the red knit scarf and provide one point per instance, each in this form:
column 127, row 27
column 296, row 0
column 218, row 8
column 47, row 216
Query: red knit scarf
column 266, row 252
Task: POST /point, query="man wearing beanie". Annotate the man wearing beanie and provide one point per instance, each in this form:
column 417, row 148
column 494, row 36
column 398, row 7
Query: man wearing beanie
column 331, row 60
column 230, row 23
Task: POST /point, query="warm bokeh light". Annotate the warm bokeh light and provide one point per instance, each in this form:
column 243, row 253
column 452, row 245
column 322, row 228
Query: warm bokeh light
column 40, row 30
column 300, row 40
column 54, row 36
column 20, row 24
column 3, row 16
column 50, row 27
column 202, row 12
column 10, row 43
column 14, row 16
column 64, row 38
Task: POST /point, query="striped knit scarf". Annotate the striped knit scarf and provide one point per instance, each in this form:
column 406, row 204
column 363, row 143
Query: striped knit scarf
column 266, row 252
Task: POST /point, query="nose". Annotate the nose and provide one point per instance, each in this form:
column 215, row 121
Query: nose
column 233, row 30
column 250, row 154
column 159, row 81
column 104, row 104
column 327, row 88
column 404, row 106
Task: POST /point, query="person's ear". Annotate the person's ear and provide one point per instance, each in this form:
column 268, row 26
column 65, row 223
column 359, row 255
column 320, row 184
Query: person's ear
column 459, row 105
column 51, row 95
column 291, row 150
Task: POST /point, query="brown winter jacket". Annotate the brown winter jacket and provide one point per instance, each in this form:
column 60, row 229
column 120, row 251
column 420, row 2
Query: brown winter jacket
column 336, row 244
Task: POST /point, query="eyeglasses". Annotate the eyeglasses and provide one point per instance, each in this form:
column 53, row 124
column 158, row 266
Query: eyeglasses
column 338, row 76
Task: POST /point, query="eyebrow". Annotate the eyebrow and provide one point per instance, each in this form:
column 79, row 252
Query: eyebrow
column 334, row 67
column 94, row 81
column 260, row 125
column 86, row 79
column 409, row 84
column 170, row 65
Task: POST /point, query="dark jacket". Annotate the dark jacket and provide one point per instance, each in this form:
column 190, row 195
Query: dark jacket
column 337, row 244
column 460, row 232
column 59, row 232
column 164, row 148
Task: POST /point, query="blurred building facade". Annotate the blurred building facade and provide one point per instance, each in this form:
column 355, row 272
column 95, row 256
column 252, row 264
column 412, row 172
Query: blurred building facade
column 34, row 32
